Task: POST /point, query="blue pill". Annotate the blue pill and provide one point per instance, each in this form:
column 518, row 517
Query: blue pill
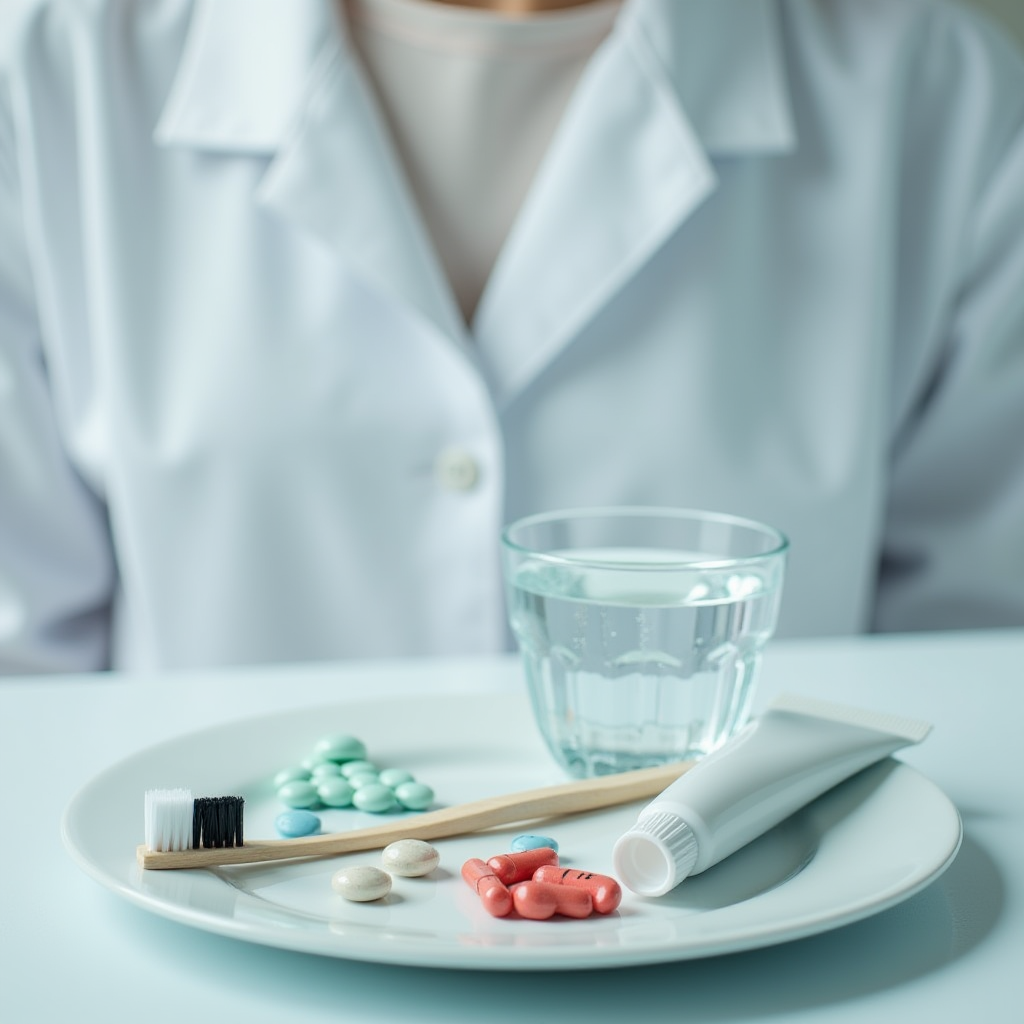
column 530, row 842
column 292, row 824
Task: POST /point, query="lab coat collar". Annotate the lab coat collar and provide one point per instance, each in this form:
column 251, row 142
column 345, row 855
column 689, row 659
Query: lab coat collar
column 243, row 73
column 275, row 78
column 247, row 65
column 725, row 61
column 678, row 83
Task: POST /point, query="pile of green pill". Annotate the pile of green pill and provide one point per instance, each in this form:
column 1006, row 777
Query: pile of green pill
column 338, row 774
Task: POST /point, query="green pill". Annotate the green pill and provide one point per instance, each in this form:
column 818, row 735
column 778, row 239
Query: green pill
column 295, row 773
column 341, row 747
column 350, row 768
column 335, row 792
column 375, row 798
column 414, row 796
column 359, row 779
column 395, row 776
column 299, row 794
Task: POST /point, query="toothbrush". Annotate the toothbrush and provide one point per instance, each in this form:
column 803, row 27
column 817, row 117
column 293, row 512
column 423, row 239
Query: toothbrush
column 211, row 834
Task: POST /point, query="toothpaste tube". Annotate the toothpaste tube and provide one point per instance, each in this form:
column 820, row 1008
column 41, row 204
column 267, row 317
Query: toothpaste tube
column 781, row 761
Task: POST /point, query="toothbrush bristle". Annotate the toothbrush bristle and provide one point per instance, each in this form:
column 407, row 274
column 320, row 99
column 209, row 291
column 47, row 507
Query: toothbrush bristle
column 175, row 820
column 169, row 814
column 217, row 821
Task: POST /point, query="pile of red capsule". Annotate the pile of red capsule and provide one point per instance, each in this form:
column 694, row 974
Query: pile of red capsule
column 533, row 884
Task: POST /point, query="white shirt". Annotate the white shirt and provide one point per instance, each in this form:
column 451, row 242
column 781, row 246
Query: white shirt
column 773, row 264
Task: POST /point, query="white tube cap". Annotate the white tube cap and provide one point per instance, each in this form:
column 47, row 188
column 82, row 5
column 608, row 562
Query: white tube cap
column 656, row 854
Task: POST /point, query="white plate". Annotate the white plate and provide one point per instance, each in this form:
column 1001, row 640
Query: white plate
column 865, row 846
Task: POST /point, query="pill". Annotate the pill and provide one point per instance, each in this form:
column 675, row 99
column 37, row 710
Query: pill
column 291, row 824
column 325, row 770
column 351, row 768
column 295, row 773
column 604, row 890
column 375, row 798
column 493, row 893
column 518, row 867
column 414, row 796
column 366, row 778
column 541, row 900
column 340, row 747
column 298, row 793
column 532, row 842
column 411, row 858
column 395, row 776
column 361, row 883
column 335, row 792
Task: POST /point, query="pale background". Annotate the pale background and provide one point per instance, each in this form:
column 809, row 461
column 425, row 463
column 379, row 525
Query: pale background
column 1010, row 12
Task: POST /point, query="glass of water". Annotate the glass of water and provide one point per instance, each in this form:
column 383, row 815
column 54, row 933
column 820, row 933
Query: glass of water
column 641, row 629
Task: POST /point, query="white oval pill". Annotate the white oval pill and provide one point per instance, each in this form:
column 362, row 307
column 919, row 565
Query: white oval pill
column 410, row 858
column 361, row 883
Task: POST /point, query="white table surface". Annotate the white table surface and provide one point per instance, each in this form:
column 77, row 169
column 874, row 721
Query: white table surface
column 72, row 950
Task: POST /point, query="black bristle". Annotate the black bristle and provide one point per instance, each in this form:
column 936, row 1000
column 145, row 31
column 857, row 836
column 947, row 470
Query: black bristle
column 217, row 821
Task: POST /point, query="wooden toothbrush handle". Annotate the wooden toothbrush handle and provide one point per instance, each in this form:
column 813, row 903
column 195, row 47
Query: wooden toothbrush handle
column 549, row 801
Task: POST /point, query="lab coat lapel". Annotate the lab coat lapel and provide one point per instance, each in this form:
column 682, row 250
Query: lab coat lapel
column 340, row 179
column 629, row 164
column 296, row 92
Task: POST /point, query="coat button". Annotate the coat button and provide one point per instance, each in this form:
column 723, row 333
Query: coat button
column 456, row 469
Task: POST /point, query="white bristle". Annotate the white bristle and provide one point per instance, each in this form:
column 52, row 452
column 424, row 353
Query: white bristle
column 169, row 819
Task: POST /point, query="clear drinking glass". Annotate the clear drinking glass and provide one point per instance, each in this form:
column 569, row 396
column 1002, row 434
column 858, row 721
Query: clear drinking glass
column 641, row 629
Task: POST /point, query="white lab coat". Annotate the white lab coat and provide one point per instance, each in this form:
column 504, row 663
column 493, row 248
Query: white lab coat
column 773, row 265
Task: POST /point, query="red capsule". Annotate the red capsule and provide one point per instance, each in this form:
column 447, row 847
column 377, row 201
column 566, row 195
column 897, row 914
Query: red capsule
column 493, row 893
column 519, row 867
column 604, row 890
column 541, row 900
